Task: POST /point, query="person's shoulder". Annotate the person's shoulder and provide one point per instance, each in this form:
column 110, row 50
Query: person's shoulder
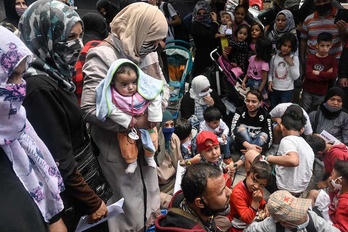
column 239, row 188
column 40, row 82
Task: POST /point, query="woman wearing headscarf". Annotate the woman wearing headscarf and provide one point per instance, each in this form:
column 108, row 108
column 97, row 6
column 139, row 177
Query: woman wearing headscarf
column 30, row 180
column 107, row 9
column 135, row 33
column 168, row 155
column 13, row 11
column 284, row 23
column 200, row 97
column 329, row 116
column 203, row 29
column 52, row 31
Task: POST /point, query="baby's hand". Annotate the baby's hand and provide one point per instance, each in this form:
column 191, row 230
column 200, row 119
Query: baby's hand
column 153, row 124
column 223, row 136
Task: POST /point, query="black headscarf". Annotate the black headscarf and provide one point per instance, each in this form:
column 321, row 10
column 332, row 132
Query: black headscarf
column 95, row 27
column 335, row 91
column 11, row 13
column 110, row 9
column 124, row 3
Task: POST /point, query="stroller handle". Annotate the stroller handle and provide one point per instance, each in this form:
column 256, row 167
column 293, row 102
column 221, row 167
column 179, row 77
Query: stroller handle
column 215, row 51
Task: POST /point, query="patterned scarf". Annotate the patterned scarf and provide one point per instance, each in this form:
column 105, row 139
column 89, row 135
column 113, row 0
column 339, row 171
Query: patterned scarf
column 45, row 27
column 289, row 27
column 31, row 160
column 205, row 18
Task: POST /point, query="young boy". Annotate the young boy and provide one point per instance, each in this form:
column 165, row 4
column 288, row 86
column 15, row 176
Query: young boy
column 213, row 122
column 333, row 205
column 321, row 68
column 225, row 28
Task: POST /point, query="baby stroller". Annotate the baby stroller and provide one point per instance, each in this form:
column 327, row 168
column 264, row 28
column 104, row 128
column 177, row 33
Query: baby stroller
column 179, row 59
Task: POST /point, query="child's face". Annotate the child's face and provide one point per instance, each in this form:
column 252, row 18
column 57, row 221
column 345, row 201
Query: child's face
column 239, row 15
column 225, row 18
column 255, row 32
column 253, row 183
column 212, row 154
column 242, row 34
column 213, row 124
column 285, row 49
column 324, row 47
column 252, row 102
column 281, row 22
column 126, row 83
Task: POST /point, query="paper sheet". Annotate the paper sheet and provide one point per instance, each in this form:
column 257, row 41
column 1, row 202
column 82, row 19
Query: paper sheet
column 179, row 173
column 329, row 137
column 113, row 210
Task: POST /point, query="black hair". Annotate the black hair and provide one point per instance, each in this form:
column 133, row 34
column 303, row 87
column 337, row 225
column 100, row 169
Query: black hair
column 195, row 179
column 288, row 37
column 125, row 67
column 241, row 6
column 211, row 114
column 316, row 142
column 255, row 92
column 182, row 128
column 324, row 36
column 261, row 28
column 261, row 169
column 293, row 118
column 241, row 26
column 341, row 166
column 263, row 49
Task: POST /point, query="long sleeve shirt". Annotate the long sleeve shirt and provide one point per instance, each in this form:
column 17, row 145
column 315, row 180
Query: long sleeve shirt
column 221, row 129
column 318, row 84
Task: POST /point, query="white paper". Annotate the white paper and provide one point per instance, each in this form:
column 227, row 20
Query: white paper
column 179, row 173
column 329, row 137
column 113, row 210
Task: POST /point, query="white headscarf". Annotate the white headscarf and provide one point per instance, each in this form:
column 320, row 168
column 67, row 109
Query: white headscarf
column 200, row 83
column 31, row 160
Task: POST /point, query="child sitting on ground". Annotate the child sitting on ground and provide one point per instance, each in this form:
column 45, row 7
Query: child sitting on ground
column 333, row 205
column 225, row 28
column 127, row 92
column 213, row 122
column 321, row 68
column 247, row 200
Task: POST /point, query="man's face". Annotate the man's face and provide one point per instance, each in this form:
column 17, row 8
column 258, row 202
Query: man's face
column 217, row 195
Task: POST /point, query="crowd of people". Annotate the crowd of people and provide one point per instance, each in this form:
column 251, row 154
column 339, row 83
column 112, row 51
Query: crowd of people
column 97, row 87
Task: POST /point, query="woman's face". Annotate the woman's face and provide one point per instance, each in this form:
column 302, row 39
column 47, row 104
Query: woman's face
column 255, row 31
column 252, row 102
column 21, row 4
column 281, row 22
column 76, row 32
column 168, row 124
column 16, row 75
column 335, row 102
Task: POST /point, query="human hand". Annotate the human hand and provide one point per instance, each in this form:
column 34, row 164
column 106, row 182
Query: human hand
column 316, row 72
column 142, row 121
column 330, row 70
column 99, row 214
column 254, row 147
column 342, row 27
column 153, row 124
column 343, row 82
column 223, row 136
column 196, row 159
column 270, row 86
column 58, row 226
column 208, row 100
column 234, row 64
column 213, row 16
column 266, row 211
column 257, row 196
column 289, row 60
column 226, row 51
column 162, row 43
column 243, row 85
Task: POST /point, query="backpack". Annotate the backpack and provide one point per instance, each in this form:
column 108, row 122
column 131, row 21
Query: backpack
column 180, row 31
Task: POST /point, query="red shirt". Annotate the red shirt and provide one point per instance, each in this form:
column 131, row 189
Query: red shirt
column 77, row 77
column 318, row 84
column 240, row 201
column 338, row 210
column 337, row 152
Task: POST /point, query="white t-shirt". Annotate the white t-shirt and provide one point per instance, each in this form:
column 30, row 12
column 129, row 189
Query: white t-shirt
column 279, row 110
column 172, row 13
column 295, row 179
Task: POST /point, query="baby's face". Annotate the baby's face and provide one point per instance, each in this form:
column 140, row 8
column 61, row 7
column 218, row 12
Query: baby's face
column 126, row 83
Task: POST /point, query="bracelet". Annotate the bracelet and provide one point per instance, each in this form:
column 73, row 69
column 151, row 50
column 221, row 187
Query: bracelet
column 253, row 208
column 188, row 163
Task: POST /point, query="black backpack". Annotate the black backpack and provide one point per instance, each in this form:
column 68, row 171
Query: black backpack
column 180, row 31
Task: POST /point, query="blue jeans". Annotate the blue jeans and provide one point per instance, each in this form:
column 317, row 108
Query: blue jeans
column 257, row 140
column 278, row 97
column 225, row 148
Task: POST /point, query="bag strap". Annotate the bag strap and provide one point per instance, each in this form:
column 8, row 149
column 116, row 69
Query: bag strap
column 166, row 10
column 316, row 119
column 186, row 215
column 310, row 227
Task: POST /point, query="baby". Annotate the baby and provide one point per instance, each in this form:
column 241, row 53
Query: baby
column 225, row 28
column 127, row 92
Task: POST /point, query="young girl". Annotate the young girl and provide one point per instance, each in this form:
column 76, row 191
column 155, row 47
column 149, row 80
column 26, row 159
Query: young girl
column 256, row 32
column 247, row 196
column 127, row 92
column 238, row 53
column 284, row 70
column 256, row 76
column 239, row 14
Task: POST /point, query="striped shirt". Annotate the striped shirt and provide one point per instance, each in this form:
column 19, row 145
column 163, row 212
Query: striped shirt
column 314, row 25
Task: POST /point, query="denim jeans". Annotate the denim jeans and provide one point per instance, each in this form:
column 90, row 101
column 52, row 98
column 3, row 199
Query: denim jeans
column 257, row 140
column 278, row 97
column 225, row 148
